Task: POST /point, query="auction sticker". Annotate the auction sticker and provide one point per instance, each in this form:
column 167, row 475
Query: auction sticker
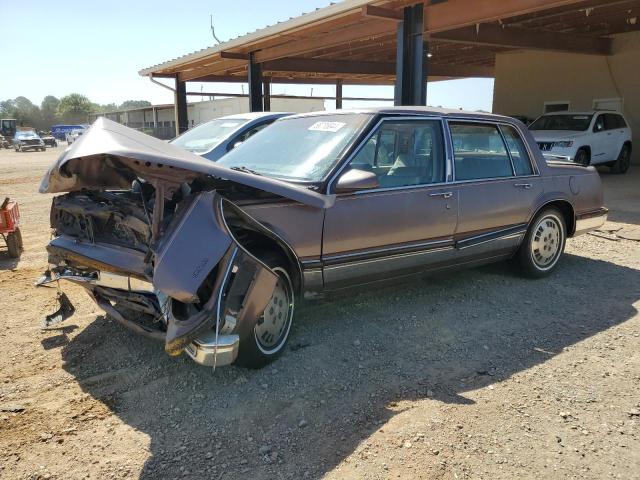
column 326, row 126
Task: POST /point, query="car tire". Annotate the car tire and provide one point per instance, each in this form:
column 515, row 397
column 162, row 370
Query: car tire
column 621, row 165
column 583, row 157
column 543, row 245
column 270, row 332
column 13, row 244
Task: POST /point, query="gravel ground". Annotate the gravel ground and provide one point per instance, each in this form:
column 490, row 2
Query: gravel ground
column 476, row 374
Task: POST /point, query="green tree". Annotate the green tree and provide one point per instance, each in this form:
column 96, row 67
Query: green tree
column 75, row 108
column 134, row 104
column 49, row 111
column 26, row 113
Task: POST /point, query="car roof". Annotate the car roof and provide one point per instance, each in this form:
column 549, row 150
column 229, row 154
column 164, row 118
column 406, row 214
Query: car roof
column 409, row 110
column 592, row 112
column 254, row 115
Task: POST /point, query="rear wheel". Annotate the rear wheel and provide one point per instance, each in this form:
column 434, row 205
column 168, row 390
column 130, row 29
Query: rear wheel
column 621, row 165
column 543, row 244
column 270, row 332
column 13, row 245
column 583, row 157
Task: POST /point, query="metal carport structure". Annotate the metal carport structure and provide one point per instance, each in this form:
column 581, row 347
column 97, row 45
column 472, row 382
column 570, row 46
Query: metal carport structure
column 399, row 42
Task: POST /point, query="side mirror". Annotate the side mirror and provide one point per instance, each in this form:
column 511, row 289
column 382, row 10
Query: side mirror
column 355, row 180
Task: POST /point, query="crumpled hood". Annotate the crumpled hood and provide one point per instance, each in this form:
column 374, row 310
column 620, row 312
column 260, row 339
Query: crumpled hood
column 555, row 135
column 109, row 156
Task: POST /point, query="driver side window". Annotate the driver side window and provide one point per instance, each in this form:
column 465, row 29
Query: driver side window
column 404, row 153
column 599, row 125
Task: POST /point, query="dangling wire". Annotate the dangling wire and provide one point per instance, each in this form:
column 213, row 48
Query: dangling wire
column 213, row 30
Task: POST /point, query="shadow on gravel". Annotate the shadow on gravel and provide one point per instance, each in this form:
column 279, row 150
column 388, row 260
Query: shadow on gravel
column 6, row 262
column 349, row 365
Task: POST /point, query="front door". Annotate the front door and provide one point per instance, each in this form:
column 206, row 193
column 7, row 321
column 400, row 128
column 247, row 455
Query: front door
column 497, row 189
column 600, row 143
column 404, row 226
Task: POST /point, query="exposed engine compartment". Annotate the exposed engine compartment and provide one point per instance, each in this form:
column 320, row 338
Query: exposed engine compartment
column 116, row 218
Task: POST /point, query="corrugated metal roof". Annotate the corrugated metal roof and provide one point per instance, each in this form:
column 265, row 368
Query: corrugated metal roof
column 335, row 9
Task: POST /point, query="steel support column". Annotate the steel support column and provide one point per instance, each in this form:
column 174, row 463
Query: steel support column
column 255, row 85
column 338, row 94
column 267, row 94
column 411, row 58
column 180, row 101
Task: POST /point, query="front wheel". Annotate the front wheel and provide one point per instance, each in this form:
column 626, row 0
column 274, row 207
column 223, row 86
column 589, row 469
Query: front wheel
column 543, row 244
column 582, row 157
column 270, row 333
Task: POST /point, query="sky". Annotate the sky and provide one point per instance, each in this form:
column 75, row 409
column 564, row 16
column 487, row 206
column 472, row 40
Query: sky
column 96, row 48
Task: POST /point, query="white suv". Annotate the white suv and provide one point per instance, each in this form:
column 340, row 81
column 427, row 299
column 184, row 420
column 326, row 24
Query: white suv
column 589, row 138
column 73, row 135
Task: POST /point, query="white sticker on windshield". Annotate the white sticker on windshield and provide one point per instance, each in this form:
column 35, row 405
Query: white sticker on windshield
column 229, row 125
column 326, row 126
column 581, row 117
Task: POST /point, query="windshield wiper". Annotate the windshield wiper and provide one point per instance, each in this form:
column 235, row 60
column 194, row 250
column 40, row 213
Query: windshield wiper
column 245, row 170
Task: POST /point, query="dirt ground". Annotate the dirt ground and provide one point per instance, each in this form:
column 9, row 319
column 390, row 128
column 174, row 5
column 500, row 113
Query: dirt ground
column 476, row 374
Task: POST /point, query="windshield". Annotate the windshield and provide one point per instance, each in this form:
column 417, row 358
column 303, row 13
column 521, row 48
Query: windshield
column 562, row 122
column 26, row 135
column 208, row 135
column 303, row 148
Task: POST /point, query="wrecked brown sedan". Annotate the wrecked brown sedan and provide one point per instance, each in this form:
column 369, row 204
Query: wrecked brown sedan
column 211, row 258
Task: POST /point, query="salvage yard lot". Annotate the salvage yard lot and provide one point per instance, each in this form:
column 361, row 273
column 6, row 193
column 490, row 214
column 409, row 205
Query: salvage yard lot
column 476, row 374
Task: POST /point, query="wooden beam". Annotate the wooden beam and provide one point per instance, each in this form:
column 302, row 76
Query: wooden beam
column 510, row 37
column 380, row 12
column 364, row 31
column 234, row 56
column 462, row 13
column 297, row 64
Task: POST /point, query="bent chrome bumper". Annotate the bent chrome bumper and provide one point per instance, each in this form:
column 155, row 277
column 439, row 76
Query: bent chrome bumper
column 592, row 220
column 205, row 351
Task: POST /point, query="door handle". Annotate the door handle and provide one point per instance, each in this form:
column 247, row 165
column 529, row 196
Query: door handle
column 442, row 194
column 526, row 186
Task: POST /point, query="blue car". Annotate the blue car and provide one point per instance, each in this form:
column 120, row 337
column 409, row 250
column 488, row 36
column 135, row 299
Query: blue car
column 214, row 139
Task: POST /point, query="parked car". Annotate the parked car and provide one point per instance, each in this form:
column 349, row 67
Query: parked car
column 212, row 258
column 587, row 138
column 215, row 138
column 73, row 135
column 48, row 139
column 27, row 140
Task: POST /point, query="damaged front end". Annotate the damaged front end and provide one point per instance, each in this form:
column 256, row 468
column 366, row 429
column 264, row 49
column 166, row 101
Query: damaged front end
column 204, row 291
column 147, row 230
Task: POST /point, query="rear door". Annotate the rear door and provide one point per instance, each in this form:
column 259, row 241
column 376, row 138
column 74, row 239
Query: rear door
column 497, row 186
column 404, row 226
column 615, row 127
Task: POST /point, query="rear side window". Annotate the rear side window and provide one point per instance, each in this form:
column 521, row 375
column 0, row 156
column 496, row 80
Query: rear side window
column 518, row 150
column 479, row 151
column 613, row 121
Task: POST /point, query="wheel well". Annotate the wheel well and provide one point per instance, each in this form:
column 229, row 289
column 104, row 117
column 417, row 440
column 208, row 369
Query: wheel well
column 586, row 148
column 628, row 144
column 260, row 245
column 567, row 213
column 258, row 240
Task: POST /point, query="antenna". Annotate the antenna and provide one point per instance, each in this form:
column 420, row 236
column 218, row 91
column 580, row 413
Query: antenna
column 213, row 30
